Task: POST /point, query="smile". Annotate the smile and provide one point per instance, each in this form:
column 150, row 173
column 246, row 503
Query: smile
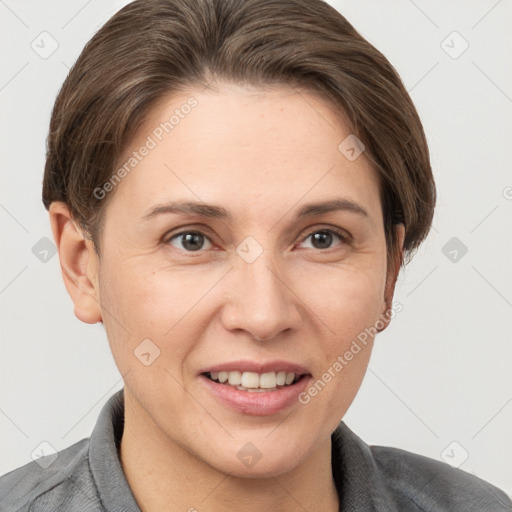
column 254, row 382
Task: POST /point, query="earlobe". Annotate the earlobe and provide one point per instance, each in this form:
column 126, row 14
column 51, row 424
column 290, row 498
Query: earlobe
column 79, row 263
column 392, row 276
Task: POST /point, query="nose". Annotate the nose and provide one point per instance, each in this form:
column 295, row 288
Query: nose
column 261, row 300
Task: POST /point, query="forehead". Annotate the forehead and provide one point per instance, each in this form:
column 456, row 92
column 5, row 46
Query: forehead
column 244, row 147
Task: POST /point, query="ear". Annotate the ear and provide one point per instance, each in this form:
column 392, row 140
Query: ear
column 392, row 275
column 79, row 263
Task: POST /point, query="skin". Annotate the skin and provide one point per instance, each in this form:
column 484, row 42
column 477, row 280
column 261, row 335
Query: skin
column 261, row 154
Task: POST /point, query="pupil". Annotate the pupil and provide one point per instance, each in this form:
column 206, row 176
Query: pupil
column 191, row 241
column 324, row 238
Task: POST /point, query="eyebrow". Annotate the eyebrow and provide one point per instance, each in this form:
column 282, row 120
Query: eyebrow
column 218, row 212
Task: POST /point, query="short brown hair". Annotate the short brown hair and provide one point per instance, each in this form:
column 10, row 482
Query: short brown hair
column 152, row 48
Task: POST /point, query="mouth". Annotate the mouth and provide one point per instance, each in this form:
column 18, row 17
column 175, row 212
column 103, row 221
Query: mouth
column 253, row 388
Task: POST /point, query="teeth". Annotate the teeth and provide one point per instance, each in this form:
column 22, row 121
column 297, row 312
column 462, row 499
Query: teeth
column 257, row 390
column 252, row 381
column 269, row 380
column 235, row 378
column 281, row 378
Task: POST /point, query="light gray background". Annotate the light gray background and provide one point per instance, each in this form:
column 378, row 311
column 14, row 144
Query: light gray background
column 439, row 374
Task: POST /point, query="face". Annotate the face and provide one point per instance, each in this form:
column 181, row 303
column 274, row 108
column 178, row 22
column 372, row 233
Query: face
column 257, row 282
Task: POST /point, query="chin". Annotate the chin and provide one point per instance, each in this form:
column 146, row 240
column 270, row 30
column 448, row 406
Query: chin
column 259, row 457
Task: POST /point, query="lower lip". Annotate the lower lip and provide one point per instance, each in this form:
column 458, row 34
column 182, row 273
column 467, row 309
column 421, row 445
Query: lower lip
column 258, row 403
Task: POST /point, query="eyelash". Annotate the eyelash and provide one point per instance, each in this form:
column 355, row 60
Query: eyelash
column 345, row 239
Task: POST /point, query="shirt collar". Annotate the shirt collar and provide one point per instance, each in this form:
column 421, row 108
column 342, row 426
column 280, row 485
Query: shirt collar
column 113, row 489
column 354, row 470
column 357, row 478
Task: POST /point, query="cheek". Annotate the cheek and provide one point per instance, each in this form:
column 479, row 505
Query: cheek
column 152, row 304
column 148, row 300
column 348, row 305
column 346, row 299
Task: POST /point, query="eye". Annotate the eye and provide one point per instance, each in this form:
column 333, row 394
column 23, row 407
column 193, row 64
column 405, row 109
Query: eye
column 323, row 238
column 194, row 241
column 191, row 241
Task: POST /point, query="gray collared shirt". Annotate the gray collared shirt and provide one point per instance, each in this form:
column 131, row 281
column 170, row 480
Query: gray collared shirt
column 88, row 477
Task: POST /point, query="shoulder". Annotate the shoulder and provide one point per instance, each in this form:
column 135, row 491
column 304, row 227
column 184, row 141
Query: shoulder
column 62, row 481
column 429, row 484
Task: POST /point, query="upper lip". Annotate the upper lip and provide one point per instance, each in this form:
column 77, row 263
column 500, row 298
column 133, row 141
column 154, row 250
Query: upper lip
column 257, row 367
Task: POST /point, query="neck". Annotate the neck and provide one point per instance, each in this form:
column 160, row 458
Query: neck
column 164, row 476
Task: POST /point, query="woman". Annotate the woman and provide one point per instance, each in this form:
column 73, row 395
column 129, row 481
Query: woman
column 233, row 187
